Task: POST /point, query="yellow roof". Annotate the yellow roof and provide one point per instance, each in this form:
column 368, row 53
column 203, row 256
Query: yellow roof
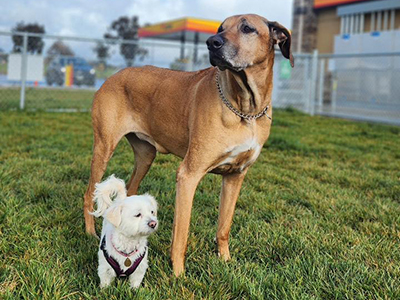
column 172, row 30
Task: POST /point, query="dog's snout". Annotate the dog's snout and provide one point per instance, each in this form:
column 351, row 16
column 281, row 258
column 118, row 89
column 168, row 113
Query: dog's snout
column 215, row 42
column 152, row 224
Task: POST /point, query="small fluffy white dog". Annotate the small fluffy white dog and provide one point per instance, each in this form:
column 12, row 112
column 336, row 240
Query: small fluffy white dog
column 128, row 221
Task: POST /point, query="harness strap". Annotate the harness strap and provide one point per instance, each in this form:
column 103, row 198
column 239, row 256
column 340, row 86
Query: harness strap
column 115, row 265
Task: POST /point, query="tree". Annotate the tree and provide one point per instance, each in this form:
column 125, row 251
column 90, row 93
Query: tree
column 59, row 48
column 35, row 43
column 127, row 29
column 102, row 51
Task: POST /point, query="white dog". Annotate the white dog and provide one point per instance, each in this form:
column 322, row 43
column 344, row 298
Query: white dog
column 128, row 221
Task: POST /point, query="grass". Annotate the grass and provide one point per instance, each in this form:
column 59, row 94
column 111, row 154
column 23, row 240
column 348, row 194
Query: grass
column 318, row 216
column 47, row 98
column 104, row 73
column 3, row 68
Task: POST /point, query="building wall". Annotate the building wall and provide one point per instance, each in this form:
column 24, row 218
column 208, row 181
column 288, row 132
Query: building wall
column 328, row 25
column 367, row 26
column 330, row 3
column 317, row 28
column 397, row 19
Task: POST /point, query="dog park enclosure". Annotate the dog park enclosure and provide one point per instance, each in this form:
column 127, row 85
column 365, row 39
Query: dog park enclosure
column 346, row 84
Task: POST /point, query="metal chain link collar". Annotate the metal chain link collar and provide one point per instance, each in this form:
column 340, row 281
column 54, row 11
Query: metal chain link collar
column 236, row 111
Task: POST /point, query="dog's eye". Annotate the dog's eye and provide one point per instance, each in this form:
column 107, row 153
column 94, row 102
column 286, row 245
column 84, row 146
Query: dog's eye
column 220, row 29
column 138, row 215
column 152, row 212
column 248, row 29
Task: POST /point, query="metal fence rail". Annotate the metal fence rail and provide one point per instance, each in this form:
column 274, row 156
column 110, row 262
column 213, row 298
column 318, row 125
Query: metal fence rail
column 67, row 71
column 360, row 86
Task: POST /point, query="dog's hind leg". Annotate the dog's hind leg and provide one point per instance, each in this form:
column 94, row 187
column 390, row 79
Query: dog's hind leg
column 102, row 151
column 144, row 157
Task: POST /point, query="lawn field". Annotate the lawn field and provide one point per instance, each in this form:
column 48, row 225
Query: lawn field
column 47, row 98
column 318, row 216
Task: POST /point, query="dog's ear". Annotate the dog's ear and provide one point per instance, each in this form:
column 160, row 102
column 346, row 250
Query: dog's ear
column 113, row 215
column 152, row 201
column 283, row 38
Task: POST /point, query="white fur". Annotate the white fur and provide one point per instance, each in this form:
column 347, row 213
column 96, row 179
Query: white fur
column 110, row 188
column 250, row 144
column 128, row 231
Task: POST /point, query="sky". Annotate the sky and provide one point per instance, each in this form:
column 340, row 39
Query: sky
column 90, row 18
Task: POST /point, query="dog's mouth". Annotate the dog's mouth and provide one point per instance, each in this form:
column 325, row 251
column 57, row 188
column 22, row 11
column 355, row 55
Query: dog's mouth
column 217, row 59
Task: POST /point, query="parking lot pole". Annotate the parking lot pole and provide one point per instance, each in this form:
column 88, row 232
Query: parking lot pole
column 24, row 69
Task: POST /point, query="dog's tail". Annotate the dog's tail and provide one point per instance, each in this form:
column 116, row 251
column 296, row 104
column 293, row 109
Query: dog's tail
column 105, row 192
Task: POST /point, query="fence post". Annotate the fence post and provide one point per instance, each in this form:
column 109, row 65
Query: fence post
column 306, row 84
column 321, row 85
column 24, row 69
column 313, row 82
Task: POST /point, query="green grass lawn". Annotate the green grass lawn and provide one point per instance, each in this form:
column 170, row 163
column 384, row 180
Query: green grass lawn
column 47, row 98
column 107, row 72
column 318, row 216
column 3, row 68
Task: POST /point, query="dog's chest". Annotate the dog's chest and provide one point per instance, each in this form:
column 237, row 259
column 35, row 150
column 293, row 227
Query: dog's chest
column 239, row 157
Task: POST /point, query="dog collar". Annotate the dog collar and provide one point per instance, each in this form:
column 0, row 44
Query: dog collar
column 236, row 111
column 115, row 265
column 120, row 252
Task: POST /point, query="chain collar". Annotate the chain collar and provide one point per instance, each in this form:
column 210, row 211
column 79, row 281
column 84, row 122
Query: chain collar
column 236, row 111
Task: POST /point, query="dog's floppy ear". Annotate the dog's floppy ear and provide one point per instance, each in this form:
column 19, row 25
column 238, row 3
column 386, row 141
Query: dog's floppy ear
column 283, row 38
column 113, row 215
column 152, row 201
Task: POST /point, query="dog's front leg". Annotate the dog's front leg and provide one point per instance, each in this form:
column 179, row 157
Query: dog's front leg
column 105, row 272
column 187, row 182
column 231, row 185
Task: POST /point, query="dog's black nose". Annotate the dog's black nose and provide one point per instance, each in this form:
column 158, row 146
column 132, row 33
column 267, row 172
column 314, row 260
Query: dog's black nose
column 152, row 224
column 215, row 42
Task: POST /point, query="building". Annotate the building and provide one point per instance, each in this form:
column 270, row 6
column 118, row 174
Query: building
column 185, row 30
column 338, row 26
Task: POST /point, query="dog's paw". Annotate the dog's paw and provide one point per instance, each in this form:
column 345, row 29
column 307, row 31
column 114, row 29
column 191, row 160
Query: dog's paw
column 104, row 285
column 135, row 284
column 105, row 282
column 225, row 256
column 223, row 251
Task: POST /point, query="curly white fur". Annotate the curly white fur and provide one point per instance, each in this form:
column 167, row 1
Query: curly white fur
column 129, row 221
column 105, row 191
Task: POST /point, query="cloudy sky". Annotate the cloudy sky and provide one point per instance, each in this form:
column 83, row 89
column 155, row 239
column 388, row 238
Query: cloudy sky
column 90, row 18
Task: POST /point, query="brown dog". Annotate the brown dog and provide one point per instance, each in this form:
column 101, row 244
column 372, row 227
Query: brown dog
column 216, row 119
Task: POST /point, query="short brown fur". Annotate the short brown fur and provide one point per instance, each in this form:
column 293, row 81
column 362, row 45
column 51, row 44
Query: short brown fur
column 160, row 110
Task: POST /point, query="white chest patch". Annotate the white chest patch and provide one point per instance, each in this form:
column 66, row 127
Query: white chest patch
column 247, row 146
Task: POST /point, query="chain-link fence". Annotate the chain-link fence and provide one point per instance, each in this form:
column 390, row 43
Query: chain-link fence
column 360, row 86
column 54, row 73
column 294, row 87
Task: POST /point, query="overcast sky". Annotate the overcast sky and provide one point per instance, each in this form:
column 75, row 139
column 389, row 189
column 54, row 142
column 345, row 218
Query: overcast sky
column 90, row 18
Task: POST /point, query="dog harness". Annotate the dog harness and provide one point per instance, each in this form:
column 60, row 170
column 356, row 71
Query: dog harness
column 115, row 265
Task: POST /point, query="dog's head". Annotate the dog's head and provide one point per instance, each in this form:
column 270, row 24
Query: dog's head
column 246, row 40
column 134, row 216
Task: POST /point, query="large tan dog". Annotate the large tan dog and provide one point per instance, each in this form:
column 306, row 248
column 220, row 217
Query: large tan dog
column 216, row 119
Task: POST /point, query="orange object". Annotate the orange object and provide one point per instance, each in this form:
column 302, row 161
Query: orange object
column 184, row 24
column 69, row 75
column 326, row 3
